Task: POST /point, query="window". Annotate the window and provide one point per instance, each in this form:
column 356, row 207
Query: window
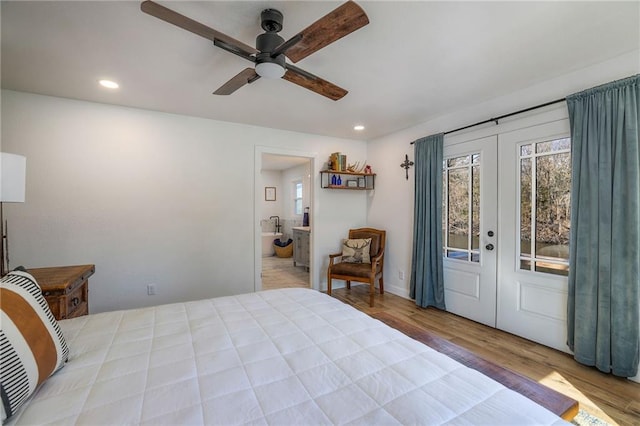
column 461, row 210
column 297, row 197
column 545, row 201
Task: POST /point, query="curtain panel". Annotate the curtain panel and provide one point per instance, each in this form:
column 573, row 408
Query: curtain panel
column 427, row 284
column 604, row 281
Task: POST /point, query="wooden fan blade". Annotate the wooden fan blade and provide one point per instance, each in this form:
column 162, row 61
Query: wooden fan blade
column 246, row 76
column 333, row 26
column 314, row 83
column 168, row 15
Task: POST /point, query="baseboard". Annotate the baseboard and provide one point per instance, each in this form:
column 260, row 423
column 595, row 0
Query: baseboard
column 393, row 289
column 397, row 290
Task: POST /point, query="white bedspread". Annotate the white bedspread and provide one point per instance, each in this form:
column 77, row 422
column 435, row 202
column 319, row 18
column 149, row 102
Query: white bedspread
column 290, row 357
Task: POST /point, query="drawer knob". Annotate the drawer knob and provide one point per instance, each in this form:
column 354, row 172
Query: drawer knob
column 75, row 301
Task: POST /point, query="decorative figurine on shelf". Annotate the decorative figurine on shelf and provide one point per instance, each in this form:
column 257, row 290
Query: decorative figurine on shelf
column 356, row 167
column 367, row 169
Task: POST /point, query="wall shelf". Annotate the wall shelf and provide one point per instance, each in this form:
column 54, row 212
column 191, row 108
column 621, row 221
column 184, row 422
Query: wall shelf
column 350, row 180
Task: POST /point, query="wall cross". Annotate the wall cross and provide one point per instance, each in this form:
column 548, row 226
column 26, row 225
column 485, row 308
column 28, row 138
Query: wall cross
column 406, row 165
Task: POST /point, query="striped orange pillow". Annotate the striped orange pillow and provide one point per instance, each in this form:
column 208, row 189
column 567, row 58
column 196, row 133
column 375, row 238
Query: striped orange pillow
column 32, row 346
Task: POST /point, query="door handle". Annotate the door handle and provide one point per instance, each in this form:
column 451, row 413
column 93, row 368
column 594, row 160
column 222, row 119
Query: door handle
column 489, row 247
column 490, row 233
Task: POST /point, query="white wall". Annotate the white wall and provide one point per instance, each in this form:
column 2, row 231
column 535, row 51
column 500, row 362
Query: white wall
column 271, row 178
column 391, row 207
column 299, row 173
column 151, row 197
column 283, row 206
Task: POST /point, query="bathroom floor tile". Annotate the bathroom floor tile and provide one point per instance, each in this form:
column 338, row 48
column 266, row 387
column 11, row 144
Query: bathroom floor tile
column 279, row 272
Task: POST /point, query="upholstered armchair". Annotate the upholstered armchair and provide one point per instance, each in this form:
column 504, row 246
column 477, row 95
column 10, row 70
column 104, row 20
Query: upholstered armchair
column 350, row 268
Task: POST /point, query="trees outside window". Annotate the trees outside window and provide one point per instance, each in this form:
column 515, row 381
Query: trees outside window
column 545, row 202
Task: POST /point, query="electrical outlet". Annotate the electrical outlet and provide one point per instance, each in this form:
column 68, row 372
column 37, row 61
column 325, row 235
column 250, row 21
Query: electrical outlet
column 401, row 275
column 151, row 289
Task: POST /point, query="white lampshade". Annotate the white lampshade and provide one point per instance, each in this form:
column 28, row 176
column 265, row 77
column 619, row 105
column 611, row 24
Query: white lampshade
column 13, row 171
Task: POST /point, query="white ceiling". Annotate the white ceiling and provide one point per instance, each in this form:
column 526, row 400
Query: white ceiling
column 413, row 62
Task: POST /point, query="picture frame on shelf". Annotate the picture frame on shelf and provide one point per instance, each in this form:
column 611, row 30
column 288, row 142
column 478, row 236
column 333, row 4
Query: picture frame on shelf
column 362, row 182
column 352, row 183
column 270, row 193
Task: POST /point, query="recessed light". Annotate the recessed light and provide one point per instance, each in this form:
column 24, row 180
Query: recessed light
column 109, row 84
column 358, row 127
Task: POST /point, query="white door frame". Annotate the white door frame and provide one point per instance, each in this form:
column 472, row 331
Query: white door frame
column 259, row 193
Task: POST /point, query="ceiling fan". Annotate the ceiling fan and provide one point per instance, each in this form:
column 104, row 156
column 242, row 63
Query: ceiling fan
column 271, row 49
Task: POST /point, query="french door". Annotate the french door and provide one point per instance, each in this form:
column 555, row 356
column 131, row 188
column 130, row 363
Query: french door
column 534, row 232
column 469, row 214
column 505, row 230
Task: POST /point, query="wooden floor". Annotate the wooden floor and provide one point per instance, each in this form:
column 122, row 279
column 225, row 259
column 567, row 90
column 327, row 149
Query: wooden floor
column 613, row 399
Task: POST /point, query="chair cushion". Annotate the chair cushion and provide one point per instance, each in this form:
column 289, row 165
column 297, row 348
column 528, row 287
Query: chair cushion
column 361, row 270
column 356, row 250
column 31, row 344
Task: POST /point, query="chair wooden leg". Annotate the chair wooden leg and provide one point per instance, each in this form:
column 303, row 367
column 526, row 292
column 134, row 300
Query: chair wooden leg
column 329, row 285
column 348, row 284
column 381, row 281
column 372, row 292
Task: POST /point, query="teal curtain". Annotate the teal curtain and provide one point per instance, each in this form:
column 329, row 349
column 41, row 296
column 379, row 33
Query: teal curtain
column 427, row 285
column 604, row 281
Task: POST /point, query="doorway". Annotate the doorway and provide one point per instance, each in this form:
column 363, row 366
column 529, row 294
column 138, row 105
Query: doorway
column 506, row 201
column 283, row 201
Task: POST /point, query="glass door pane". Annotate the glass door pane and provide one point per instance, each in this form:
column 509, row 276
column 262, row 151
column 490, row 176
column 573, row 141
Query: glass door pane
column 461, row 198
column 545, row 200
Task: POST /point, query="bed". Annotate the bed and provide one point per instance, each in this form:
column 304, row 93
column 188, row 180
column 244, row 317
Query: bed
column 282, row 357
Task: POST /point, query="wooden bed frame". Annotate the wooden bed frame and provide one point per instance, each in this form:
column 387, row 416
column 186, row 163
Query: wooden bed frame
column 554, row 401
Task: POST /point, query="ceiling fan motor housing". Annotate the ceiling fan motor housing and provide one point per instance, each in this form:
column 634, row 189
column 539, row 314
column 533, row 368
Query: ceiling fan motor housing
column 266, row 64
column 266, row 43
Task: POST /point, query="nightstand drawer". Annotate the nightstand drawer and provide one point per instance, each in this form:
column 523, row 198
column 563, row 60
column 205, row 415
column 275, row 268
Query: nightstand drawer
column 69, row 305
column 76, row 300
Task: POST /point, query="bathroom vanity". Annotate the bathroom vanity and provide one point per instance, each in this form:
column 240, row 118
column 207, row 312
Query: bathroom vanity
column 301, row 256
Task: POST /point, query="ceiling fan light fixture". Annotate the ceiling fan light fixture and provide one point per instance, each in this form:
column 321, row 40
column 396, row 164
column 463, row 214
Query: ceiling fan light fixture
column 269, row 70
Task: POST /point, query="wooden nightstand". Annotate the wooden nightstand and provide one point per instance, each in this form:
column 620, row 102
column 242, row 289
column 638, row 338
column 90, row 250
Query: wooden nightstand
column 66, row 289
